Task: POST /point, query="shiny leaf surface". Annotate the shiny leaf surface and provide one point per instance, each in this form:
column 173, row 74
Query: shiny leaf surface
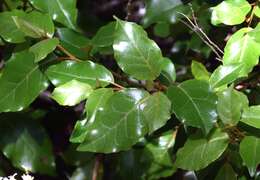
column 198, row 151
column 86, row 72
column 168, row 70
column 194, row 104
column 251, row 116
column 19, row 89
column 135, row 53
column 199, row 71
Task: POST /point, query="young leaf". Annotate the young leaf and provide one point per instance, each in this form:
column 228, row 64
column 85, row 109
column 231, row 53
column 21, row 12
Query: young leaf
column 199, row 71
column 43, row 48
column 194, row 103
column 8, row 29
column 156, row 110
column 64, row 12
column 135, row 53
column 251, row 116
column 226, row 173
column 87, row 72
column 74, row 42
column 242, row 48
column 118, row 125
column 230, row 105
column 35, row 24
column 25, row 143
column 250, row 153
column 71, row 93
column 257, row 11
column 21, row 82
column 198, row 151
column 224, row 12
column 225, row 74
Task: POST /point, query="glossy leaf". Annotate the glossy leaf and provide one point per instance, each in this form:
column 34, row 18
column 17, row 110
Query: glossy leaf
column 87, row 72
column 74, row 42
column 168, row 70
column 19, row 89
column 198, row 151
column 242, row 48
column 224, row 12
column 251, row 116
column 71, row 93
column 255, row 33
column 135, row 53
column 96, row 102
column 35, row 24
column 156, row 110
column 230, row 105
column 226, row 173
column 257, row 11
column 119, row 125
column 199, row 71
column 43, row 48
column 8, row 29
column 64, row 12
column 225, row 74
column 26, row 144
column 105, row 35
column 194, row 104
column 250, row 153
column 162, row 11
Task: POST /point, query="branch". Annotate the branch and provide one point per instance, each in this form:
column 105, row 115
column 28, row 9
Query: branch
column 96, row 166
column 128, row 9
column 70, row 56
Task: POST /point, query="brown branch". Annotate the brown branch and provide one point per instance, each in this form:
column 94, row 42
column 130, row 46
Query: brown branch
column 97, row 165
column 128, row 9
column 70, row 56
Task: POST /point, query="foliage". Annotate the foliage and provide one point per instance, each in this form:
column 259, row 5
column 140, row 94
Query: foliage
column 84, row 97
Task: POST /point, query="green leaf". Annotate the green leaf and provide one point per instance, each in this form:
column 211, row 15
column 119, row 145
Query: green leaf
column 71, row 93
column 85, row 71
column 257, row 11
column 162, row 11
column 194, row 103
column 74, row 42
column 242, row 48
column 162, row 29
column 168, row 70
column 255, row 33
column 96, row 102
column 21, row 82
column 156, row 110
column 35, row 24
column 26, row 144
column 43, row 48
column 225, row 74
column 199, row 71
column 135, row 53
column 64, row 12
column 230, row 105
column 8, row 29
column 198, row 151
column 118, row 125
column 251, row 116
column 250, row 153
column 226, row 173
column 224, row 12
column 105, row 36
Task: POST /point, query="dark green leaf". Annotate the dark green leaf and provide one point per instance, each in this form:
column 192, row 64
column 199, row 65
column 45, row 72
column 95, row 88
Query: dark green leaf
column 64, row 12
column 198, row 152
column 250, row 153
column 118, row 125
column 194, row 103
column 86, row 72
column 226, row 173
column 105, row 36
column 168, row 70
column 199, row 71
column 21, row 82
column 135, row 53
column 43, row 48
column 26, row 144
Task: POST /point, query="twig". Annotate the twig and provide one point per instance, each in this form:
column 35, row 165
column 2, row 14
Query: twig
column 117, row 85
column 96, row 166
column 70, row 56
column 128, row 9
